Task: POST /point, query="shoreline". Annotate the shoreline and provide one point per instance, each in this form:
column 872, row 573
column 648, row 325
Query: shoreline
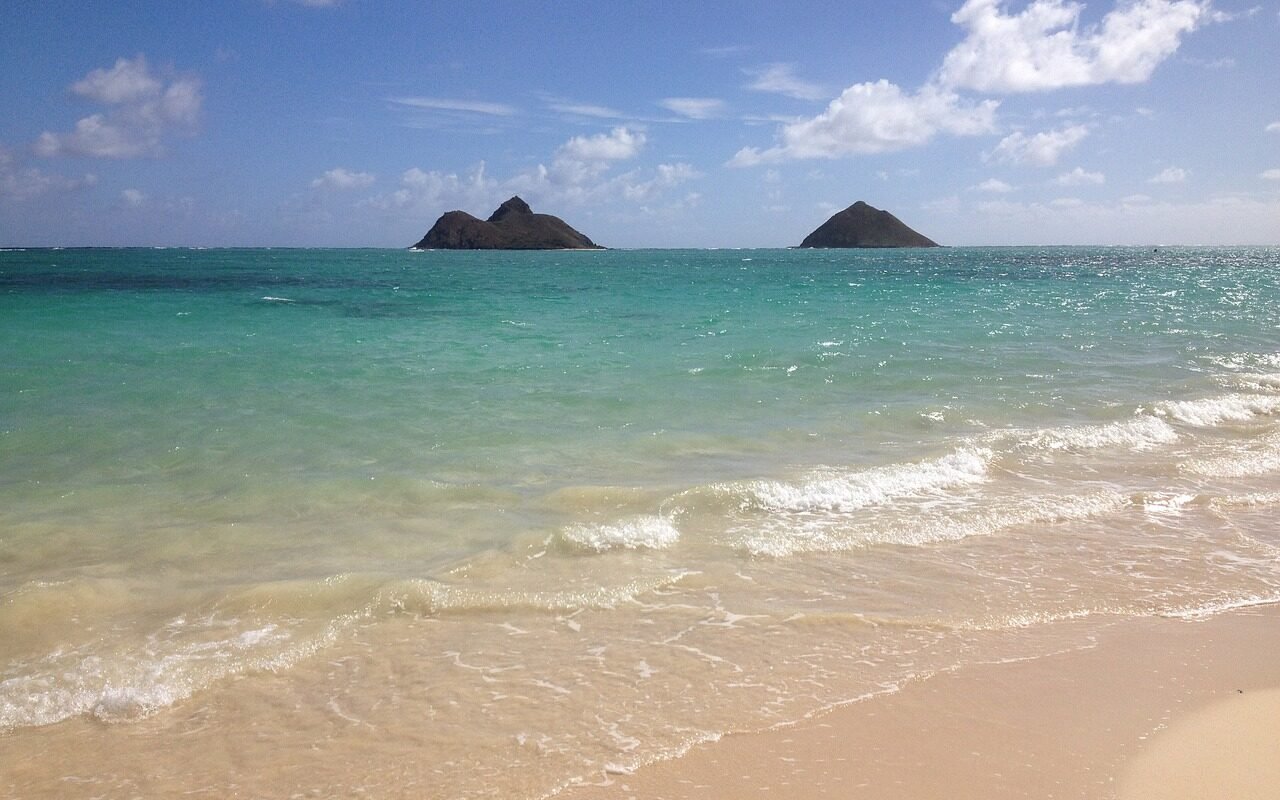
column 1120, row 719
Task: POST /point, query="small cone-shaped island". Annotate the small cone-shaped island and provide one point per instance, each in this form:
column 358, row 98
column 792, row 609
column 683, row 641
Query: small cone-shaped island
column 513, row 226
column 860, row 225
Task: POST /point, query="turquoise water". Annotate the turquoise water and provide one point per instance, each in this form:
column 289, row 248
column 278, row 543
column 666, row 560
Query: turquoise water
column 222, row 472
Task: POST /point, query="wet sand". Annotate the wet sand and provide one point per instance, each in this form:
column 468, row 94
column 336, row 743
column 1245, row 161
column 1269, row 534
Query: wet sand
column 1157, row 708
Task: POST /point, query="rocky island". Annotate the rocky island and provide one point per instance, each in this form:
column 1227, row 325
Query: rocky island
column 861, row 225
column 513, row 226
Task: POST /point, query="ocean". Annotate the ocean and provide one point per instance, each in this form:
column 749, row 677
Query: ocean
column 282, row 523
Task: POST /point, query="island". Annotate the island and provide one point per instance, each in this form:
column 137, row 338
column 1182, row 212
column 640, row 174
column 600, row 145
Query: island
column 513, row 226
column 861, row 225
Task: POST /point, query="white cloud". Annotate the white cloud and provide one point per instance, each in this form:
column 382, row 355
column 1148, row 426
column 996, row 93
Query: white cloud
column 424, row 192
column 1075, row 112
column 18, row 184
column 619, row 144
column 1270, row 175
column 449, row 104
column 781, row 79
column 993, row 185
column 694, row 107
column 128, row 81
column 560, row 186
column 665, row 176
column 1079, row 177
column 578, row 174
column 1044, row 46
column 342, row 178
column 1041, row 149
column 1273, row 127
column 1232, row 16
column 95, row 135
column 1170, row 175
column 142, row 110
column 133, row 198
column 579, row 168
column 1215, row 63
column 584, row 110
column 1041, row 47
column 875, row 118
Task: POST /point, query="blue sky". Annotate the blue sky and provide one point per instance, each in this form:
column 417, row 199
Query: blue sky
column 643, row 124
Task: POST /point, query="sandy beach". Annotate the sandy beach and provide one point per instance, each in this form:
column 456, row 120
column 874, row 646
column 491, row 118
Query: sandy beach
column 1157, row 708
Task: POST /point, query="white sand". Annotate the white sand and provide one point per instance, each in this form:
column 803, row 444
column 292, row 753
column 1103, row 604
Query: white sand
column 1231, row 749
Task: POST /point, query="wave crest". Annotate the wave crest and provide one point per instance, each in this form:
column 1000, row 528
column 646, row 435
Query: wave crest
column 1213, row 411
column 842, row 492
column 648, row 532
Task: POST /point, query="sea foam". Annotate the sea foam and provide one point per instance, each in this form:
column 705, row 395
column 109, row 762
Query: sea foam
column 430, row 597
column 1262, row 458
column 841, row 492
column 649, row 532
column 1213, row 411
column 1141, row 433
column 781, row 538
column 120, row 687
column 1257, row 382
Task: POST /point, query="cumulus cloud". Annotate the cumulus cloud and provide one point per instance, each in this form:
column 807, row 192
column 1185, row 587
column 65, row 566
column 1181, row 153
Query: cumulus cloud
column 993, row 185
column 579, row 166
column 694, row 107
column 781, row 79
column 424, row 190
column 128, row 81
column 618, row 144
column 341, row 178
column 133, row 198
column 1273, row 127
column 1270, row 175
column 1079, row 177
column 1040, row 149
column 579, row 172
column 142, row 109
column 1170, row 175
column 1044, row 47
column 875, row 118
column 19, row 183
column 665, row 176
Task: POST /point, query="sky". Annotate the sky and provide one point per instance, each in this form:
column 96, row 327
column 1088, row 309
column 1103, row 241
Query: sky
column 356, row 123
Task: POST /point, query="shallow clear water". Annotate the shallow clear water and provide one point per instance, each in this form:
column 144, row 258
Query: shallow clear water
column 478, row 524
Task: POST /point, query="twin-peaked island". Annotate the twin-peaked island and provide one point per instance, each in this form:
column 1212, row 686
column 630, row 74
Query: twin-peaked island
column 514, row 226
